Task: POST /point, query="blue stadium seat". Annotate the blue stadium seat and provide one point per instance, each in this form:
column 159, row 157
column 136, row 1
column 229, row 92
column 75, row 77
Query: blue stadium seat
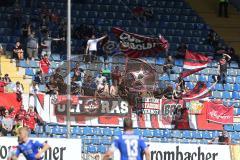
column 234, row 64
column 230, row 79
column 236, row 127
column 186, row 134
column 167, row 133
column 217, row 94
column 236, row 87
column 147, row 133
column 228, row 87
column 238, row 79
column 232, row 72
column 235, row 95
column 190, row 85
column 185, row 141
column 101, row 149
column 48, row 129
column 29, row 72
column 42, row 88
column 173, row 77
column 197, row 134
column 238, row 111
column 228, row 127
column 179, row 62
column 56, row 130
column 137, row 131
column 22, row 63
column 235, row 135
column 117, row 132
column 87, row 131
column 176, row 134
column 107, row 131
column 215, row 133
column 164, row 77
column 91, row 149
column 207, row 135
column 63, row 130
column 98, row 131
column 38, row 129
column 164, row 140
column 33, row 64
column 106, row 140
column 157, row 133
column 227, row 95
column 204, row 141
column 55, row 57
column 203, row 78
column 95, row 140
column 219, row 87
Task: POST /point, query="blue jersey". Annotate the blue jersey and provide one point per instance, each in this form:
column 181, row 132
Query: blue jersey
column 131, row 146
column 29, row 149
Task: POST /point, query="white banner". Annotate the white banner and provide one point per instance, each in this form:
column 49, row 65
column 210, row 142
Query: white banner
column 61, row 149
column 171, row 151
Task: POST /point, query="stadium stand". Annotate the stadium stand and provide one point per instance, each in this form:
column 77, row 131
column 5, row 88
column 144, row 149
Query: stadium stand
column 174, row 19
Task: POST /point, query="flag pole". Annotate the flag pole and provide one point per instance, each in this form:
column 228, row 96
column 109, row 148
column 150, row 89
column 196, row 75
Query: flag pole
column 68, row 67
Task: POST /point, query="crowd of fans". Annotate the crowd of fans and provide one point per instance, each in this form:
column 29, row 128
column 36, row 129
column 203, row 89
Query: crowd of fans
column 11, row 120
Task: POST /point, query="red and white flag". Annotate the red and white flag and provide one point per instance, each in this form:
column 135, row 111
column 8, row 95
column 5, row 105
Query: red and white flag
column 194, row 62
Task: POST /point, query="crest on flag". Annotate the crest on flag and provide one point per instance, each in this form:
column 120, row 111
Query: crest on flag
column 140, row 76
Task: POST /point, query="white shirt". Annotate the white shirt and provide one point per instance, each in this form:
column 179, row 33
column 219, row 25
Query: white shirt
column 92, row 43
column 100, row 80
column 18, row 88
column 34, row 90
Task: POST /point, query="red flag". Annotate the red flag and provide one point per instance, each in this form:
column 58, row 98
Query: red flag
column 136, row 46
column 200, row 121
column 194, row 62
column 198, row 92
column 217, row 112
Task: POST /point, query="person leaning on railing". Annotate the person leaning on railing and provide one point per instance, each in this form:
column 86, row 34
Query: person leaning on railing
column 222, row 139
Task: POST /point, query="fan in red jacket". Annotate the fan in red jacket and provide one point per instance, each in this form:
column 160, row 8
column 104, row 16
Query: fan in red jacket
column 2, row 85
column 45, row 64
column 31, row 118
column 21, row 115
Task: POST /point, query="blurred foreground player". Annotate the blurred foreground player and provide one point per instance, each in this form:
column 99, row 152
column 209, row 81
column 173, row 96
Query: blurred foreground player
column 130, row 145
column 29, row 148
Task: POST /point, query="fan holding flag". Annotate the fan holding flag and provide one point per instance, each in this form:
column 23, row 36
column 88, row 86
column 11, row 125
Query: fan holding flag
column 222, row 68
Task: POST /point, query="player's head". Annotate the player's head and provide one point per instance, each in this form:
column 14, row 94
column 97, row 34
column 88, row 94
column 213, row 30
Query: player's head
column 23, row 134
column 127, row 124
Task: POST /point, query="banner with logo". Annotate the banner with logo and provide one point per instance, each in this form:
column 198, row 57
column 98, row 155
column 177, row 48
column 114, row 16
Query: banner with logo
column 175, row 113
column 217, row 112
column 171, row 151
column 59, row 148
column 136, row 46
column 161, row 113
column 150, row 112
column 90, row 106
